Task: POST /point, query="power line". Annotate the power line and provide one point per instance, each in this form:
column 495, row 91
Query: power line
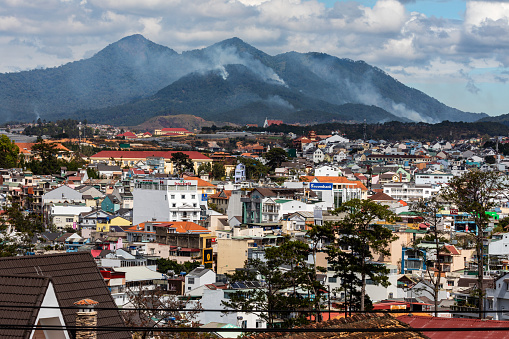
column 239, row 310
column 259, row 330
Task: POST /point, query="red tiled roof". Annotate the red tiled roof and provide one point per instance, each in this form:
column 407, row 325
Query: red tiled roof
column 452, row 250
column 175, row 130
column 380, row 196
column 421, row 323
column 274, row 122
column 144, row 154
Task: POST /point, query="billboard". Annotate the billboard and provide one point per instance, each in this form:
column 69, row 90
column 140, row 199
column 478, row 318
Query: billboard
column 316, row 186
column 208, row 256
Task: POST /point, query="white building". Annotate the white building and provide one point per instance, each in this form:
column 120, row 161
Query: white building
column 240, row 173
column 165, row 200
column 327, row 171
column 432, row 178
column 198, row 277
column 318, row 156
column 67, row 216
column 410, row 192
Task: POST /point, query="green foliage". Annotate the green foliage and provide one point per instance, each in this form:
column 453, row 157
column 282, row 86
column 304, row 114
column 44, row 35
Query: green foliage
column 205, row 167
column 279, row 292
column 218, row 171
column 254, row 168
column 26, row 224
column 476, row 192
column 165, row 265
column 490, row 159
column 395, row 131
column 66, row 128
column 8, row 152
column 429, row 210
column 356, row 238
column 92, row 173
column 181, row 163
column 275, row 157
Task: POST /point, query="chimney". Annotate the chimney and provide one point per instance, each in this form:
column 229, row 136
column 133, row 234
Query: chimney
column 86, row 317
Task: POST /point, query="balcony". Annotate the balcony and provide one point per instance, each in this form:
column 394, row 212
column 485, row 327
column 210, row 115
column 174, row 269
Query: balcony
column 456, row 308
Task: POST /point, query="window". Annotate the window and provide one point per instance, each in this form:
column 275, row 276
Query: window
column 190, row 280
column 183, row 196
column 450, row 282
column 173, row 196
column 490, row 304
column 259, row 323
column 173, row 205
column 193, row 196
column 194, row 205
column 69, row 219
column 333, row 279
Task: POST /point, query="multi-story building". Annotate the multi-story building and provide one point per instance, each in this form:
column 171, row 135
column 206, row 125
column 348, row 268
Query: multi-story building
column 165, row 200
column 410, row 192
column 432, row 178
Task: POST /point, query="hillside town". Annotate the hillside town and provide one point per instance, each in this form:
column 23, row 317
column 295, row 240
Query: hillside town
column 275, row 229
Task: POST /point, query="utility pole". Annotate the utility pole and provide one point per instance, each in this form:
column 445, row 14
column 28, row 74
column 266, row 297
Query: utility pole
column 365, row 130
column 79, row 138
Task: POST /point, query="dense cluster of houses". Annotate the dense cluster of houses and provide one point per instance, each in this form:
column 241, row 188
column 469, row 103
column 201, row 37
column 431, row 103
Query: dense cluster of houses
column 138, row 212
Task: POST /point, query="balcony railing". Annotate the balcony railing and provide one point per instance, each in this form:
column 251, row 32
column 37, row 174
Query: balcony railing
column 456, row 308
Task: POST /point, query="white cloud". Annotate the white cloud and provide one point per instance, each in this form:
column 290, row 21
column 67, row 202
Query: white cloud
column 408, row 45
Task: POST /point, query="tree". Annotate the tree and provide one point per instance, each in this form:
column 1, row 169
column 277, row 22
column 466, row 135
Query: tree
column 357, row 237
column 254, row 168
column 275, row 157
column 23, row 227
column 156, row 308
column 165, row 265
column 490, row 159
column 429, row 210
column 284, row 272
column 44, row 160
column 205, row 167
column 477, row 192
column 181, row 163
column 8, row 152
column 218, row 171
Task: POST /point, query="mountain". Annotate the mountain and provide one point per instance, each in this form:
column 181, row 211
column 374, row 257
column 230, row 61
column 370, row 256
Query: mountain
column 134, row 80
column 131, row 68
column 502, row 119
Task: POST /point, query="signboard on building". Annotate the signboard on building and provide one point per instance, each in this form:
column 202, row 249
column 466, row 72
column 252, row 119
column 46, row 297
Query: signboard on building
column 316, row 186
column 453, row 211
column 208, row 256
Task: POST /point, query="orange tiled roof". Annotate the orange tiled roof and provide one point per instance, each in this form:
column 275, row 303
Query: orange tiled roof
column 201, row 182
column 86, row 302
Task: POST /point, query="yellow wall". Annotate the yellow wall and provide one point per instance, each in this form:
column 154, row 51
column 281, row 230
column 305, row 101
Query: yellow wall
column 118, row 221
column 231, row 254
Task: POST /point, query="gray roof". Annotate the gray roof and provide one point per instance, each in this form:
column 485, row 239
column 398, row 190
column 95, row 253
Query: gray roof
column 20, row 291
column 198, row 272
column 75, row 276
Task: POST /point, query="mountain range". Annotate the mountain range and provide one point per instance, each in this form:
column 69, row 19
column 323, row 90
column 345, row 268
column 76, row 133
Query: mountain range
column 134, row 80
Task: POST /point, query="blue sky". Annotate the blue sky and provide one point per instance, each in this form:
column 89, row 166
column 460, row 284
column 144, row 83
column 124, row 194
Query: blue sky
column 455, row 51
